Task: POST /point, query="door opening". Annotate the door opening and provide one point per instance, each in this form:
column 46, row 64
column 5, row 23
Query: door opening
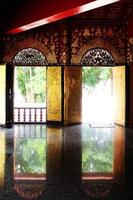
column 103, row 96
column 30, row 95
column 98, row 98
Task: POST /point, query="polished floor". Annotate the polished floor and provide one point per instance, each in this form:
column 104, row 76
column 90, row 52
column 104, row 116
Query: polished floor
column 76, row 162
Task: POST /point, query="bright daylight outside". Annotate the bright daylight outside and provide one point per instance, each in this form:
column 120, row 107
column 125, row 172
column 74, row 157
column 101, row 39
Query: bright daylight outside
column 97, row 96
column 30, row 94
column 97, row 113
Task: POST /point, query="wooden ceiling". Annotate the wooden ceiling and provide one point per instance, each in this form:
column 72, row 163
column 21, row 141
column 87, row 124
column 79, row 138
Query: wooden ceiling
column 18, row 13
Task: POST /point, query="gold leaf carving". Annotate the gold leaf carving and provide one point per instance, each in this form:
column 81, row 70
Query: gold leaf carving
column 54, row 94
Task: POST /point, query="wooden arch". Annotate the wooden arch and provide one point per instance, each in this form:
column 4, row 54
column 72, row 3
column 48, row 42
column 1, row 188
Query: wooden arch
column 30, row 43
column 98, row 43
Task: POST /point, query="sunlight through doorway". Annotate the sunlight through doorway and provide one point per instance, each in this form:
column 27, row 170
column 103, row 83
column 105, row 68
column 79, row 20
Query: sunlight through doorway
column 97, row 96
column 30, row 94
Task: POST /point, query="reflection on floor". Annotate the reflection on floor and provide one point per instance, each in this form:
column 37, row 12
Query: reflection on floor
column 70, row 162
column 30, row 153
column 97, row 150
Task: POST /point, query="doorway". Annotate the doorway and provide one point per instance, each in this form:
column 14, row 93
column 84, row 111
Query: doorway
column 103, row 96
column 30, row 94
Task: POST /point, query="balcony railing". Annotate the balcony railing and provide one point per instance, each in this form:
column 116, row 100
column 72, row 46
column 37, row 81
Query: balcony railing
column 29, row 114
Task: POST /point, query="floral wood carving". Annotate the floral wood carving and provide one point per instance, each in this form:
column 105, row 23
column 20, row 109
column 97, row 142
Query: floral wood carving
column 111, row 38
column 28, row 57
column 130, row 50
column 43, row 39
column 98, row 57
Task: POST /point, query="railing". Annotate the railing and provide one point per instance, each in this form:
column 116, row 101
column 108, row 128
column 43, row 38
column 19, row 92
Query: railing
column 29, row 114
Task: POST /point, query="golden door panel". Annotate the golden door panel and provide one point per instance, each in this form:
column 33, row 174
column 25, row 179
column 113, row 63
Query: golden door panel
column 54, row 94
column 119, row 94
column 2, row 93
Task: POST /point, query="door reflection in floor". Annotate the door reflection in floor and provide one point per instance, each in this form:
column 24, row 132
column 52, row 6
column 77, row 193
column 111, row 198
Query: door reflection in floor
column 70, row 160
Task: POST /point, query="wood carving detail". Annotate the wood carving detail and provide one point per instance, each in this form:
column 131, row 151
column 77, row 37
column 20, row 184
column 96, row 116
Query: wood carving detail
column 112, row 39
column 130, row 50
column 41, row 39
column 54, row 94
column 62, row 45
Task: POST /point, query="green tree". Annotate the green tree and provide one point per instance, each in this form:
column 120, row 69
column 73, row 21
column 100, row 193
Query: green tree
column 39, row 83
column 93, row 75
column 32, row 83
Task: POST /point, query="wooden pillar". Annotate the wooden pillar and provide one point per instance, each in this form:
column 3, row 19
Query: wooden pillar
column 9, row 95
column 131, row 95
column 129, row 58
column 72, row 95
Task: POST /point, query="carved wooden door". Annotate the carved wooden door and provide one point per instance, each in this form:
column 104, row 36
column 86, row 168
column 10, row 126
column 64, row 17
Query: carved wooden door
column 54, row 94
column 119, row 94
column 2, row 94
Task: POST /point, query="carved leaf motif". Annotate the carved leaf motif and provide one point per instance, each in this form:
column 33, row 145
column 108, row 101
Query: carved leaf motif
column 29, row 56
column 98, row 57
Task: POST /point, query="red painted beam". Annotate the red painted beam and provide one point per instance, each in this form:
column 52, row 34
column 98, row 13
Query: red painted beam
column 43, row 12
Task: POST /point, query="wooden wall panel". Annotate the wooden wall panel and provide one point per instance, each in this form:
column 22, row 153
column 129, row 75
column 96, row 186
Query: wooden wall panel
column 131, row 95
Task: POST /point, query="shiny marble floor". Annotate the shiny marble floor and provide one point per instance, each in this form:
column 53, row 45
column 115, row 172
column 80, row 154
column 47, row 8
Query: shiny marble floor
column 71, row 162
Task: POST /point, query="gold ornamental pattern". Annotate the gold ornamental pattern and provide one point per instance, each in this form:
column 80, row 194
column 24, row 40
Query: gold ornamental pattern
column 54, row 94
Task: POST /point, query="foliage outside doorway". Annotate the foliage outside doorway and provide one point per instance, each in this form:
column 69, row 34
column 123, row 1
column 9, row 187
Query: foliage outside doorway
column 30, row 92
column 97, row 96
